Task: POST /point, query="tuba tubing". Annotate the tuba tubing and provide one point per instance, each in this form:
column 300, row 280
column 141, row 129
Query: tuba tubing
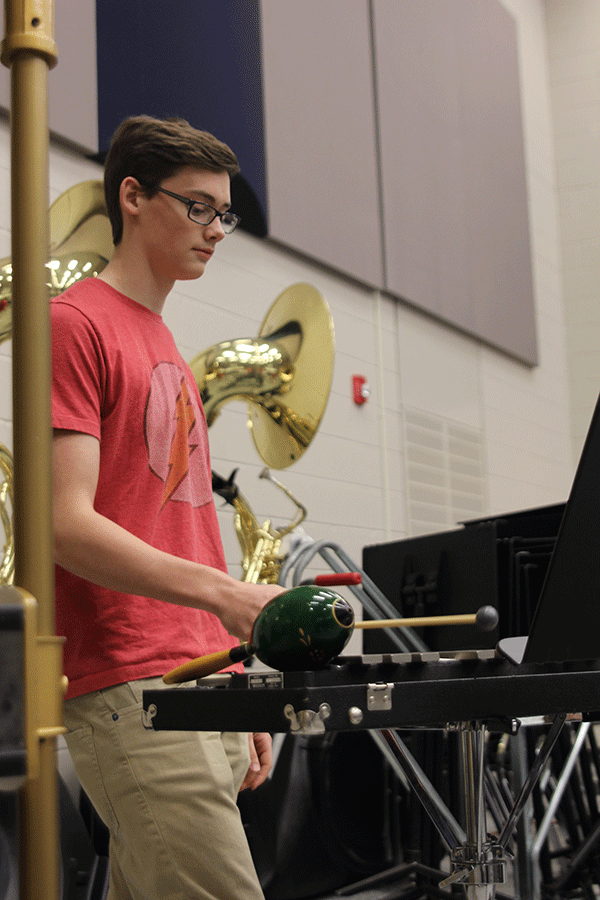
column 256, row 371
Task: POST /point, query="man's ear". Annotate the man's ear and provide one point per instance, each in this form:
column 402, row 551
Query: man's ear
column 129, row 195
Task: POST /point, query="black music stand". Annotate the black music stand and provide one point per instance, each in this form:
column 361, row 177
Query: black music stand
column 566, row 622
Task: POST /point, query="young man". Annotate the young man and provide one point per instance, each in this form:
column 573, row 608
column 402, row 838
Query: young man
column 141, row 582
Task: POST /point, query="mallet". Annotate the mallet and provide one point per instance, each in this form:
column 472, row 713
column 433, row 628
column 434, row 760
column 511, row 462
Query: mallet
column 305, row 628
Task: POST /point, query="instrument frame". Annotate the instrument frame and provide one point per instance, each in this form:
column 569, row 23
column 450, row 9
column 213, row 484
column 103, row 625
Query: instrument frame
column 425, row 690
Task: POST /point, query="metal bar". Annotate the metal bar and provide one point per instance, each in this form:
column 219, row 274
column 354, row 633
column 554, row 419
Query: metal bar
column 527, row 877
column 34, row 554
column 472, row 750
column 397, row 754
column 531, row 781
column 28, row 50
column 494, row 798
column 544, row 826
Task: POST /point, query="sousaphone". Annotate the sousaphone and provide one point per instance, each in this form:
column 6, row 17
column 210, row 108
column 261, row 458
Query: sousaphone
column 80, row 245
column 284, row 374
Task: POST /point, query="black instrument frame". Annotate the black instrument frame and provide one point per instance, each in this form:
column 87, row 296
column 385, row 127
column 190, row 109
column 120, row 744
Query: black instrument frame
column 425, row 690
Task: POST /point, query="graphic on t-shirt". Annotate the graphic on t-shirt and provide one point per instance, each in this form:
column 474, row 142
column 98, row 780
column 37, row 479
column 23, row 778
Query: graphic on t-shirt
column 175, row 441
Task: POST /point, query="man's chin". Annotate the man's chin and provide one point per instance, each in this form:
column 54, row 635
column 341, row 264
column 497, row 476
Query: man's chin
column 192, row 272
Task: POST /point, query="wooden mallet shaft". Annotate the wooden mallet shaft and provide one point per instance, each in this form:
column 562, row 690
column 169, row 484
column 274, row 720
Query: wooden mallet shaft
column 486, row 619
column 418, row 621
column 209, row 664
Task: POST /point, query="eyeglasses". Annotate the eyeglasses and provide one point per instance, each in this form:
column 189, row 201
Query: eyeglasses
column 202, row 213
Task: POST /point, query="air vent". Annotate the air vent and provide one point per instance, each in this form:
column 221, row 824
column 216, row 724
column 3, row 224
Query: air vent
column 445, row 472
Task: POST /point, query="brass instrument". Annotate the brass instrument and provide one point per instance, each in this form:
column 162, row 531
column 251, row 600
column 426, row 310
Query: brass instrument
column 7, row 564
column 284, row 374
column 261, row 545
column 80, row 245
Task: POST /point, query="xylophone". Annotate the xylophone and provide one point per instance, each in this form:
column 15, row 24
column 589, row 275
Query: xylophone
column 468, row 691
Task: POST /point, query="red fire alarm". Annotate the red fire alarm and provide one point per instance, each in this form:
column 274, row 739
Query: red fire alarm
column 360, row 389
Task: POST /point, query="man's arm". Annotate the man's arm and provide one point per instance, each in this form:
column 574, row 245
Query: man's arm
column 95, row 548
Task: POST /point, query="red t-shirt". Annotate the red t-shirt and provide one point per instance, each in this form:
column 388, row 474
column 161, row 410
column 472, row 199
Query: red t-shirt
column 117, row 375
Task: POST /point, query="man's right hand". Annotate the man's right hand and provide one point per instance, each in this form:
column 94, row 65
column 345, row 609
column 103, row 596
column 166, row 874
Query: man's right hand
column 239, row 615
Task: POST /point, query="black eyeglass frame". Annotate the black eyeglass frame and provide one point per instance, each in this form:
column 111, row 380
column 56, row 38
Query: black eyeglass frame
column 190, row 203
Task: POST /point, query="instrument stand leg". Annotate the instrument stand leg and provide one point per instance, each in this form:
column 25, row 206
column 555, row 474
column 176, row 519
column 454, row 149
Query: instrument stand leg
column 479, row 864
column 541, row 835
column 400, row 758
column 527, row 876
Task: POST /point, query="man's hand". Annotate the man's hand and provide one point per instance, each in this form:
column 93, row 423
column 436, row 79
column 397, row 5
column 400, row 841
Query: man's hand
column 261, row 759
column 240, row 604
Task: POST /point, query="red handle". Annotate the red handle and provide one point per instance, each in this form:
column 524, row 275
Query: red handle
column 338, row 578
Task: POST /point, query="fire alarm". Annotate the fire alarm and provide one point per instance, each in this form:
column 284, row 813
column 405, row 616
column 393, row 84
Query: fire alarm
column 360, row 389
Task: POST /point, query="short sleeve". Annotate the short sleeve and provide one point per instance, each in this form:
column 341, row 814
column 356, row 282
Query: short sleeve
column 78, row 371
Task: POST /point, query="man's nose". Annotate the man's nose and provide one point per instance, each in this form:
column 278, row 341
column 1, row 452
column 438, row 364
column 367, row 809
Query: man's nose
column 215, row 229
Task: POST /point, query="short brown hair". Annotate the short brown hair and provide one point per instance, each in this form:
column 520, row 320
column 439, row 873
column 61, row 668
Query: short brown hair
column 154, row 149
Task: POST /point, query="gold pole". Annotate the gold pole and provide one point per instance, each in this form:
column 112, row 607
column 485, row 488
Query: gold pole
column 29, row 50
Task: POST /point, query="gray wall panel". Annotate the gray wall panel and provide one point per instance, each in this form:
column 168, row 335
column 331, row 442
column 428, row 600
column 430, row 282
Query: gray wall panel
column 72, row 83
column 453, row 172
column 451, row 168
column 322, row 184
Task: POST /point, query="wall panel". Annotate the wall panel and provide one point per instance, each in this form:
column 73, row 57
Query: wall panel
column 72, row 83
column 322, row 181
column 453, row 171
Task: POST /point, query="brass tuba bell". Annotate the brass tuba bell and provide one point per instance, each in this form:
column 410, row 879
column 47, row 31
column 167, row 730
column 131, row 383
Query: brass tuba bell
column 284, row 374
column 80, row 245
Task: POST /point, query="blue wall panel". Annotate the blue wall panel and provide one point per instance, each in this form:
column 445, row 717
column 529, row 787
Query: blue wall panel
column 192, row 58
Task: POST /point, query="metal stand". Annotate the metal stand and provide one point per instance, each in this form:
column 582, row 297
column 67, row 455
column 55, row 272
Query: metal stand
column 479, row 864
column 367, row 593
column 478, row 860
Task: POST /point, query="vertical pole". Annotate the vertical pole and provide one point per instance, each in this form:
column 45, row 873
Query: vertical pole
column 28, row 50
column 34, row 565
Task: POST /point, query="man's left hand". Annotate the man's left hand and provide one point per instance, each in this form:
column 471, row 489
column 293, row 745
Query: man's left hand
column 261, row 759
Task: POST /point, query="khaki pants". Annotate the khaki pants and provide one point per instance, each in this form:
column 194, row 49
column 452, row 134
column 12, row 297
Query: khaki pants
column 168, row 799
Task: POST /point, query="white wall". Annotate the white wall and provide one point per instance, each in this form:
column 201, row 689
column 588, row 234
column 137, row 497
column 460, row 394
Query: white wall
column 353, row 478
column 574, row 61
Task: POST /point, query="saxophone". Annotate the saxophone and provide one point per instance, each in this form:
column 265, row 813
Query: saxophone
column 261, row 544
